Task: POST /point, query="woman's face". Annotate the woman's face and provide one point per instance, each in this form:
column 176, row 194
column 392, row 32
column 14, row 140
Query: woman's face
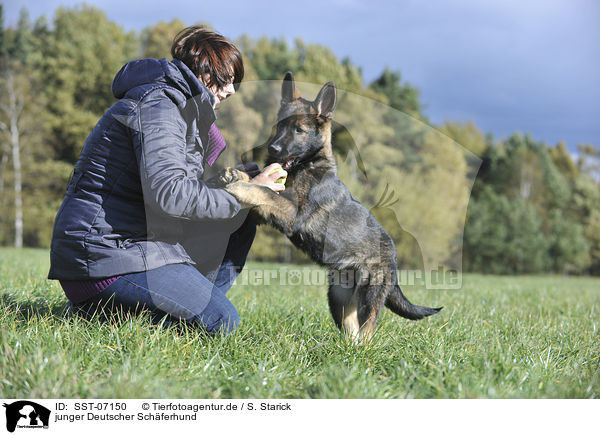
column 220, row 93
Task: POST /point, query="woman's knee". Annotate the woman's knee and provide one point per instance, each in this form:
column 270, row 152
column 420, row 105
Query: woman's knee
column 222, row 321
column 230, row 321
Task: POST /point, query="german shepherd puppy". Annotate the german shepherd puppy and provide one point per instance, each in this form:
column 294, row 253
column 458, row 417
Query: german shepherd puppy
column 319, row 215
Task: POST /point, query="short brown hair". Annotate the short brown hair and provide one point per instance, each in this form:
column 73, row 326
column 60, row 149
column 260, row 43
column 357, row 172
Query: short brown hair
column 207, row 52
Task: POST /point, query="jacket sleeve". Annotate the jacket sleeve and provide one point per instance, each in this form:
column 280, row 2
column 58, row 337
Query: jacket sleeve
column 169, row 182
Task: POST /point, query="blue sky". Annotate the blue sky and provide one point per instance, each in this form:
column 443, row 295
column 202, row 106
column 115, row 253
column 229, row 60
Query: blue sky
column 531, row 66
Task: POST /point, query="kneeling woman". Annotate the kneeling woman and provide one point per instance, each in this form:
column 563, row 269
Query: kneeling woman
column 139, row 227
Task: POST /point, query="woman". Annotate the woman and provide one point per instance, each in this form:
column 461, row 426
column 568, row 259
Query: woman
column 139, row 226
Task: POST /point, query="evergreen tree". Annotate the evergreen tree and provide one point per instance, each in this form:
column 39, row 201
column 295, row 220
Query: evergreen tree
column 20, row 46
column 504, row 236
column 3, row 37
column 568, row 248
column 403, row 97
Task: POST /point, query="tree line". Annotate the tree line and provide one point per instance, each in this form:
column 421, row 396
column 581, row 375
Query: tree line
column 530, row 207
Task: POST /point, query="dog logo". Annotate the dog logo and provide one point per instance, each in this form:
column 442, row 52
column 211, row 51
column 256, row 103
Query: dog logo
column 26, row 414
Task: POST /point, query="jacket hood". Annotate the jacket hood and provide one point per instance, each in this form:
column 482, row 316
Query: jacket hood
column 159, row 71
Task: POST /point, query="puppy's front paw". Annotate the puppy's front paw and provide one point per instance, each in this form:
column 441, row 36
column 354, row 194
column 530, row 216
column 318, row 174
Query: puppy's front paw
column 231, row 175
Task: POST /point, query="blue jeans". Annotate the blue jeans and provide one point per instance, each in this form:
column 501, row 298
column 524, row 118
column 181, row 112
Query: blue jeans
column 180, row 292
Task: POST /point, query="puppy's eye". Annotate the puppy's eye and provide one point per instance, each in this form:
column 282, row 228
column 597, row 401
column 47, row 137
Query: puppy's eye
column 299, row 130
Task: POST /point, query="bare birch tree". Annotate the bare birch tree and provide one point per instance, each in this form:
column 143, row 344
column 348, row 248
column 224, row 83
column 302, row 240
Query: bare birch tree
column 4, row 151
column 11, row 110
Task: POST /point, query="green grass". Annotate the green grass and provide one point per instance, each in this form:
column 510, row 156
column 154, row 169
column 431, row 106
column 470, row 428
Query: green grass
column 498, row 337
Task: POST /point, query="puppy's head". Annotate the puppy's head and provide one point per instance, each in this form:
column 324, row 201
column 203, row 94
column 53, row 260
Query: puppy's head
column 303, row 126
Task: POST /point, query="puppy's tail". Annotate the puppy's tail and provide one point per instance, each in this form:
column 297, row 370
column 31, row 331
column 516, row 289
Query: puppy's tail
column 397, row 302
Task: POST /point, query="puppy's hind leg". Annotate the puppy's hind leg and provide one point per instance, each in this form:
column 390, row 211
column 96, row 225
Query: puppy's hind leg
column 370, row 300
column 343, row 306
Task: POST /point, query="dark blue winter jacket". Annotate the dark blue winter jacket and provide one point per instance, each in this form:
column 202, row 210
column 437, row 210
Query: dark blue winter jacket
column 137, row 192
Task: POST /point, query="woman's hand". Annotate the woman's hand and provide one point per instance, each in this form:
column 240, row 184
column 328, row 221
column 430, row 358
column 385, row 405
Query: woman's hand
column 269, row 176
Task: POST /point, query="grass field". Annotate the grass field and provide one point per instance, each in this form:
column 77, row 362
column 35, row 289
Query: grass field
column 498, row 337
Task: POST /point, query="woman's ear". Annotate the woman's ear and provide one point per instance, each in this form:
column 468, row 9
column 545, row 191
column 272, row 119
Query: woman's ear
column 326, row 100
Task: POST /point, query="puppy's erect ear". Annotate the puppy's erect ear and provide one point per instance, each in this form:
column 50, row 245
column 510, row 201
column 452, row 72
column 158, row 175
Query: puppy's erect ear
column 326, row 100
column 288, row 88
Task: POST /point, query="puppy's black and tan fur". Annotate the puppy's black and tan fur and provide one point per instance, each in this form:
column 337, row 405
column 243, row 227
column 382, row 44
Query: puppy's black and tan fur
column 320, row 216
